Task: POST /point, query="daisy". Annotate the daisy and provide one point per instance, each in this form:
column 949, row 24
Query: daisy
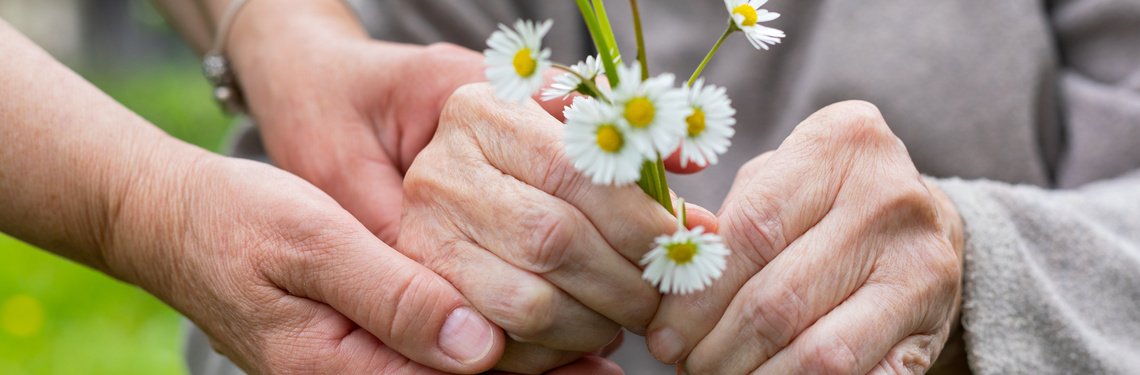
column 516, row 61
column 709, row 124
column 653, row 110
column 568, row 83
column 747, row 16
column 686, row 261
column 597, row 142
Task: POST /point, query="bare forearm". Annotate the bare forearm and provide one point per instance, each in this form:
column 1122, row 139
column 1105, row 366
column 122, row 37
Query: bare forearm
column 68, row 153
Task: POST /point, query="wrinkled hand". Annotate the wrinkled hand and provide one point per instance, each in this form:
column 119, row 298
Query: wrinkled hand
column 285, row 281
column 493, row 206
column 844, row 261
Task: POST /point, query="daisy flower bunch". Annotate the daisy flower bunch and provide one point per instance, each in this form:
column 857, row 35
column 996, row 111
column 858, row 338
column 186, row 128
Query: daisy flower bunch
column 619, row 132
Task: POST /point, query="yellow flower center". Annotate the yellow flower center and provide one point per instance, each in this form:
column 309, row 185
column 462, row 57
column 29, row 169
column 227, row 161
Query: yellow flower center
column 639, row 112
column 609, row 139
column 696, row 122
column 681, row 253
column 748, row 12
column 524, row 64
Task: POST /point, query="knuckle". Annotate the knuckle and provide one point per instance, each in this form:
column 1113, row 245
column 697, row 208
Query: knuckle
column 559, row 177
column 529, row 313
column 910, row 203
column 754, row 225
column 414, row 294
column 849, row 122
column 859, row 111
column 463, row 101
column 550, row 235
column 776, row 316
column 833, row 356
column 422, row 182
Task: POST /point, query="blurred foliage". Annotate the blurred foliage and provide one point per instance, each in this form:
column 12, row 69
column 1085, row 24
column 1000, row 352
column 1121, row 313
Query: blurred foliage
column 57, row 317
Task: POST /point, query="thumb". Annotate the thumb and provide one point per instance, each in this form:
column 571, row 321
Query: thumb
column 409, row 308
column 697, row 216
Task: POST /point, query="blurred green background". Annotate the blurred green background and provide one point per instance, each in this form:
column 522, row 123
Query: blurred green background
column 57, row 317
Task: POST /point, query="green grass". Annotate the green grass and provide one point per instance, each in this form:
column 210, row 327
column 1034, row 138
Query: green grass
column 57, row 317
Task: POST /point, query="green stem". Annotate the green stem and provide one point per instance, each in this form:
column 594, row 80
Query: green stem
column 647, row 182
column 604, row 50
column 653, row 172
column 594, row 92
column 662, row 195
column 697, row 73
column 641, row 58
column 607, row 31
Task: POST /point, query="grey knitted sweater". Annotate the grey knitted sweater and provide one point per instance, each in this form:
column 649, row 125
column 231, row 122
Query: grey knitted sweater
column 1026, row 112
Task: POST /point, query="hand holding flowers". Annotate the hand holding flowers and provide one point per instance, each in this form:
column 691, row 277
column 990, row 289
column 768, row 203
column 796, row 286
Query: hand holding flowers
column 838, row 269
column 619, row 136
column 497, row 209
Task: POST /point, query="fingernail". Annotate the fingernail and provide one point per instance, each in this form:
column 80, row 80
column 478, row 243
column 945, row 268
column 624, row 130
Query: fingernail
column 466, row 336
column 666, row 345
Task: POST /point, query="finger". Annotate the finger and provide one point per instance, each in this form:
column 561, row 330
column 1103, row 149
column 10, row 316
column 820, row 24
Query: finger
column 405, row 305
column 311, row 337
column 785, row 298
column 522, row 142
column 589, row 364
column 612, row 347
column 528, row 307
column 523, row 358
column 553, row 239
column 775, row 199
column 361, row 353
column 532, row 231
column 697, row 216
column 854, row 338
column 682, row 320
column 556, row 241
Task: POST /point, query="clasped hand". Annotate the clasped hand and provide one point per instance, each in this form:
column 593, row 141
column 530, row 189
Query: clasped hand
column 845, row 259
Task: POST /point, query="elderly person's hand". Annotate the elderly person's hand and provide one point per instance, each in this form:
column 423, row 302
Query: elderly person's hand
column 494, row 206
column 344, row 111
column 844, row 261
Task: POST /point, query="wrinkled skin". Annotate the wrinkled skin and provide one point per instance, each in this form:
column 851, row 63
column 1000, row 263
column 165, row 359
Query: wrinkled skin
column 845, row 261
column 493, row 206
column 282, row 278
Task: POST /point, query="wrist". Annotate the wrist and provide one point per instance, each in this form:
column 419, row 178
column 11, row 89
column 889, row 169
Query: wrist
column 954, row 230
column 265, row 35
column 147, row 211
column 953, row 226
